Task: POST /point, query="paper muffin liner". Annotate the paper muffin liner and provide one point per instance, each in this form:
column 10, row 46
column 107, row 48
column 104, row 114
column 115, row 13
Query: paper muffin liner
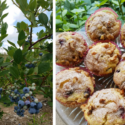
column 81, row 60
column 121, row 36
column 105, row 9
column 94, row 45
column 77, row 104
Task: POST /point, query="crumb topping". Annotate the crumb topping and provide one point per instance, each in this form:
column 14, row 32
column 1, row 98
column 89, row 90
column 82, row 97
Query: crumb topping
column 74, row 84
column 102, row 58
column 70, row 48
column 103, row 26
column 105, row 107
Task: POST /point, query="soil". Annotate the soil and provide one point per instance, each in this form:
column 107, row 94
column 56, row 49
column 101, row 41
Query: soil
column 43, row 118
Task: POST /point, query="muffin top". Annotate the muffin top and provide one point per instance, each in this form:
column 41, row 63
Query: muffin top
column 70, row 48
column 119, row 75
column 102, row 58
column 103, row 26
column 74, row 86
column 123, row 35
column 105, row 107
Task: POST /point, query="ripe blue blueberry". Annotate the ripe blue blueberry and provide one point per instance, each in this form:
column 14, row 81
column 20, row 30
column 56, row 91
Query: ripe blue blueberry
column 40, row 54
column 39, row 105
column 16, row 91
column 1, row 90
column 37, row 111
column 32, row 104
column 32, row 110
column 20, row 104
column 27, row 103
column 26, row 90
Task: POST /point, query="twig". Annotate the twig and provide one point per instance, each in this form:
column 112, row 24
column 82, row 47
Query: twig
column 31, row 34
column 45, row 37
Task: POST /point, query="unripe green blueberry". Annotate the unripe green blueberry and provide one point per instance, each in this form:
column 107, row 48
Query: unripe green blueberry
column 23, row 97
column 27, row 95
column 36, row 101
column 33, row 87
column 30, row 92
column 33, row 84
column 25, row 107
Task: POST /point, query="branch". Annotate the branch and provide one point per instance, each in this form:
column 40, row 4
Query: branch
column 31, row 34
column 45, row 37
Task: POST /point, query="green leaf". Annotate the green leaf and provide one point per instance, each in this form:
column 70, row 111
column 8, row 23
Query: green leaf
column 122, row 1
column 77, row 10
column 14, row 71
column 82, row 23
column 4, row 28
column 64, row 12
column 43, row 19
column 43, row 67
column 21, row 35
column 6, row 64
column 47, row 57
column 30, row 71
column 67, row 5
column 73, row 26
column 4, row 16
column 66, row 27
column 58, row 21
column 12, row 44
column 4, row 72
column 32, row 5
column 18, row 56
column 1, row 60
column 103, row 2
column 21, row 38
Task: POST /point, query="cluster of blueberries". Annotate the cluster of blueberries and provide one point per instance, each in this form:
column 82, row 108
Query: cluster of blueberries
column 30, row 65
column 25, row 100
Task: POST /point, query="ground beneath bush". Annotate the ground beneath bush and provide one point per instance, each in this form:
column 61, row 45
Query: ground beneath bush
column 43, row 118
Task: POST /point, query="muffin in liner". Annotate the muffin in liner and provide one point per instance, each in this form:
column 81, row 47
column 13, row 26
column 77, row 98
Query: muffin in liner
column 122, row 36
column 119, row 74
column 102, row 58
column 71, row 48
column 105, row 107
column 103, row 25
column 74, row 86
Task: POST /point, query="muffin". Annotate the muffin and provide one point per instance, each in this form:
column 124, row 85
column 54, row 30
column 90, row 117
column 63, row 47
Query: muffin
column 119, row 75
column 70, row 49
column 102, row 58
column 103, row 25
column 123, row 35
column 105, row 107
column 73, row 87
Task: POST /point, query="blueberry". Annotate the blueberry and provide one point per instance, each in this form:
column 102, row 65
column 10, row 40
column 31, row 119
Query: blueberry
column 32, row 110
column 118, row 70
column 37, row 111
column 1, row 90
column 16, row 107
column 40, row 54
column 32, row 98
column 30, row 66
column 26, row 65
column 0, row 96
column 16, row 91
column 26, row 90
column 39, row 105
column 27, row 41
column 21, row 95
column 33, row 105
column 27, row 103
column 20, row 104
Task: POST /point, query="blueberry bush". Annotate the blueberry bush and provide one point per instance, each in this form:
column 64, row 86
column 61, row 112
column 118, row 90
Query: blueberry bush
column 71, row 15
column 27, row 69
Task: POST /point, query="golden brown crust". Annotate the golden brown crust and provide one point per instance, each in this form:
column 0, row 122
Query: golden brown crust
column 123, row 35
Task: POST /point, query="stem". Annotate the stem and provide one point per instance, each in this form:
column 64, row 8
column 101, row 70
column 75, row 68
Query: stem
column 45, row 37
column 25, row 82
column 8, row 80
column 31, row 34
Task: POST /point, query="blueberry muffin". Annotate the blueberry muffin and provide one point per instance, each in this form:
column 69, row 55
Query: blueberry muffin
column 73, row 87
column 103, row 26
column 102, row 58
column 119, row 75
column 70, row 48
column 123, row 35
column 105, row 107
